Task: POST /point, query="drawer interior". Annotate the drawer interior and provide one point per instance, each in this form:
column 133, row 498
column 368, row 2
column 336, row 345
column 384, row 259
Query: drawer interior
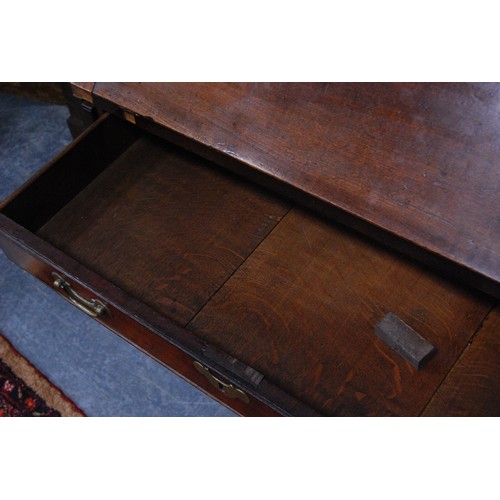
column 165, row 226
column 303, row 309
column 288, row 293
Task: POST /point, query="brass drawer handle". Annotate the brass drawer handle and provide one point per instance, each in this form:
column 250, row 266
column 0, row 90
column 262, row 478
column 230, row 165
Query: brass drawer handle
column 93, row 307
column 228, row 389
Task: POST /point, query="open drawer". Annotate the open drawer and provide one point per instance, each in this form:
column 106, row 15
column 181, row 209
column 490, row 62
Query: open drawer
column 266, row 307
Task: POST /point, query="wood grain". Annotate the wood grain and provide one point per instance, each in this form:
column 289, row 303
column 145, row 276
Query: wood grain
column 160, row 231
column 171, row 345
column 472, row 389
column 303, row 308
column 414, row 165
column 165, row 226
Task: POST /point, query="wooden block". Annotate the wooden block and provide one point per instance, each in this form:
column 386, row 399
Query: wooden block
column 130, row 117
column 233, row 365
column 83, row 91
column 404, row 340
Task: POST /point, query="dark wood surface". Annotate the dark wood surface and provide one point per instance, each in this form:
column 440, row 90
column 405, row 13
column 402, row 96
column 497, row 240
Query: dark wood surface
column 473, row 386
column 414, row 165
column 154, row 334
column 158, row 232
column 40, row 257
column 165, row 226
column 302, row 310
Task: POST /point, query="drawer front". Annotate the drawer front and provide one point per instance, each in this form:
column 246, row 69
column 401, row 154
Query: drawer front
column 194, row 371
column 140, row 234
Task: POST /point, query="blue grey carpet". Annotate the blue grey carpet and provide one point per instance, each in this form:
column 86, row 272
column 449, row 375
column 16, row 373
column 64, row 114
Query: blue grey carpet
column 101, row 373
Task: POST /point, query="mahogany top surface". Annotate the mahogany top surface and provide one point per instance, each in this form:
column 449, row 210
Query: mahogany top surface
column 418, row 161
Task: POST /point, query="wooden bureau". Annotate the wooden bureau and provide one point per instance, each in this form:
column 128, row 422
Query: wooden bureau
column 283, row 247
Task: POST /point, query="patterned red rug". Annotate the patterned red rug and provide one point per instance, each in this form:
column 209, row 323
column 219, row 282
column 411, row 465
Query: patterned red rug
column 25, row 392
